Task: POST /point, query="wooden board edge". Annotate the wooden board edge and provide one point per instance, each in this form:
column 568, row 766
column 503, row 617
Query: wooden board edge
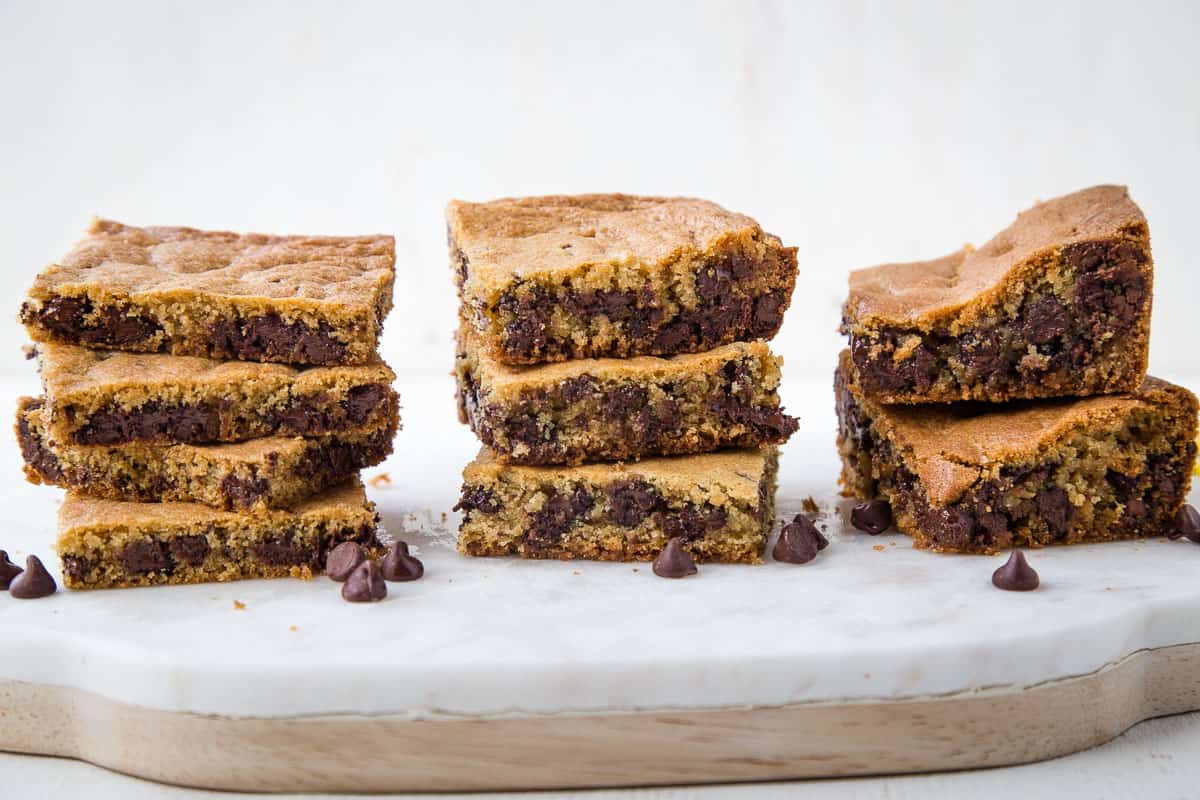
column 993, row 727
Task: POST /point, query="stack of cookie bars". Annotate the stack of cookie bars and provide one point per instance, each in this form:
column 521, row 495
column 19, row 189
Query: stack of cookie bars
column 208, row 400
column 611, row 357
column 998, row 397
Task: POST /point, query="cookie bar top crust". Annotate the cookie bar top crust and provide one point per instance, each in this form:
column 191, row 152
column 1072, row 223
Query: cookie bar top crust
column 978, row 477
column 289, row 299
column 275, row 472
column 926, row 293
column 720, row 504
column 615, row 409
column 106, row 397
column 108, row 543
column 610, row 275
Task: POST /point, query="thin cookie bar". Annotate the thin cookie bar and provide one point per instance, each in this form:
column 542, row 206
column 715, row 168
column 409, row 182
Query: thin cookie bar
column 1056, row 305
column 108, row 544
column 721, row 504
column 608, row 275
column 614, row 409
column 275, row 472
column 976, row 478
column 288, row 299
column 104, row 397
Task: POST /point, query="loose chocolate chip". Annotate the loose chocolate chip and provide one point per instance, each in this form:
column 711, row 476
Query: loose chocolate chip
column 143, row 556
column 873, row 516
column 1187, row 522
column 799, row 542
column 398, row 565
column 191, row 550
column 33, row 582
column 1016, row 575
column 343, row 560
column 674, row 561
column 365, row 584
column 8, row 570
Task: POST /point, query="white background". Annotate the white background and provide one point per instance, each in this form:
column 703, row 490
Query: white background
column 859, row 132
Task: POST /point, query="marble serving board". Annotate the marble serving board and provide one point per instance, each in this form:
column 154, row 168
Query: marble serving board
column 870, row 622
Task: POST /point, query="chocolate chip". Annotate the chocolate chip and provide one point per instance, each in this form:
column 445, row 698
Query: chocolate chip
column 1045, row 320
column 799, row 542
column 66, row 318
column 873, row 516
column 362, row 400
column 191, row 423
column 143, row 556
column 1055, row 508
column 270, row 337
column 243, row 492
column 343, row 560
column 76, row 567
column 477, row 498
column 1016, row 575
column 557, row 515
column 8, row 570
column 365, row 584
column 674, row 561
column 1187, row 522
column 398, row 565
column 284, row 551
column 35, row 452
column 631, row 501
column 191, row 550
column 33, row 582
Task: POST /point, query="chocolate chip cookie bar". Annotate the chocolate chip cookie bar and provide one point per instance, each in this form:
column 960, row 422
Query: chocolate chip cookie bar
column 288, row 299
column 1056, row 305
column 608, row 275
column 105, row 397
column 106, row 544
column 720, row 504
column 976, row 478
column 615, row 409
column 275, row 472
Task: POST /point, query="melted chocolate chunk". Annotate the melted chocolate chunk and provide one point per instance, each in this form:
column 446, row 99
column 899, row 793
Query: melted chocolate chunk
column 950, row 527
column 143, row 556
column 557, row 515
column 398, row 565
column 67, row 319
column 365, row 584
column 190, row 423
column 873, row 516
column 270, row 337
column 1016, row 575
column 76, row 567
column 692, row 522
column 477, row 498
column 674, row 561
column 36, row 454
column 243, row 492
column 362, row 400
column 632, row 501
column 284, row 551
column 33, row 582
column 8, row 570
column 1055, row 508
column 191, row 550
column 1045, row 320
column 343, row 560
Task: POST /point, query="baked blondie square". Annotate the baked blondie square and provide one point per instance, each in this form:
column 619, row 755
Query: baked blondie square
column 108, row 544
column 614, row 409
column 609, row 275
column 106, row 397
column 288, row 299
column 1058, row 304
column 720, row 504
column 976, row 477
column 274, row 472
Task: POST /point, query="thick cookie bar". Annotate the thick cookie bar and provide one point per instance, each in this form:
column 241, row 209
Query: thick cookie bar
column 608, row 275
column 276, row 472
column 104, row 397
column 107, row 544
column 721, row 504
column 289, row 299
column 1056, row 305
column 612, row 409
column 976, row 478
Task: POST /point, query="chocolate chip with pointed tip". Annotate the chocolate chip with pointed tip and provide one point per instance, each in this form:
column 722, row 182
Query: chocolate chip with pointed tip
column 1016, row 575
column 398, row 565
column 365, row 584
column 1187, row 522
column 343, row 560
column 674, row 561
column 8, row 570
column 799, row 542
column 873, row 516
column 822, row 542
column 33, row 582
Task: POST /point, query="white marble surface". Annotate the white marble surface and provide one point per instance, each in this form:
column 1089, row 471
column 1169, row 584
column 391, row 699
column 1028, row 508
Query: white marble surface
column 494, row 636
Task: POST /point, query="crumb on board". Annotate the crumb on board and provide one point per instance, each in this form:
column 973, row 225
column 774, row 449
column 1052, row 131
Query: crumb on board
column 293, row 628
column 382, row 479
column 635, row 569
column 443, row 516
column 238, row 605
column 878, row 548
column 810, row 505
column 576, row 572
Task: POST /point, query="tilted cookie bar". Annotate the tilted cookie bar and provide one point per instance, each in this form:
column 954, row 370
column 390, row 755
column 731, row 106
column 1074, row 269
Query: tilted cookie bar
column 721, row 504
column 105, row 397
column 1056, row 305
column 613, row 409
column 976, row 478
column 112, row 544
column 608, row 275
column 288, row 299
column 274, row 472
